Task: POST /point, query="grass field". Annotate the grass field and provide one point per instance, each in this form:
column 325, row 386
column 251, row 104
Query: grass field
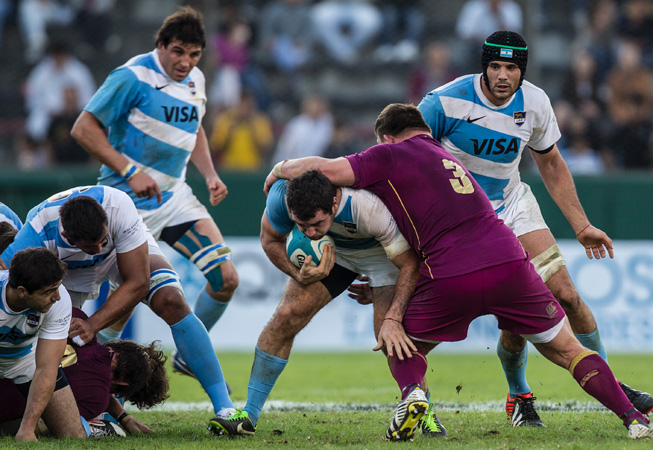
column 339, row 400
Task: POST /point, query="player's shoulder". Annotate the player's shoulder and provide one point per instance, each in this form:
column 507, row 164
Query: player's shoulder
column 459, row 86
column 532, row 92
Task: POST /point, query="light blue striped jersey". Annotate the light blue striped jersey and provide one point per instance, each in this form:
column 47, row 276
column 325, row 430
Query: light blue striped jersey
column 488, row 139
column 7, row 215
column 19, row 330
column 126, row 230
column 153, row 121
column 362, row 220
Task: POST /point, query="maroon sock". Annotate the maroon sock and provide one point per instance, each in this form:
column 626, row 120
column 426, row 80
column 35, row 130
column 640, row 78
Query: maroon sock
column 593, row 374
column 408, row 372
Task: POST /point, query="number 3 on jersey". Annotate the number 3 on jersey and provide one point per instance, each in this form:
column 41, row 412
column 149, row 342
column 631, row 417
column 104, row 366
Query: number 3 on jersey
column 461, row 183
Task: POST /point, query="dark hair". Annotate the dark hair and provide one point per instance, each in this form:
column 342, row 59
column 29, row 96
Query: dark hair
column 397, row 119
column 143, row 369
column 309, row 193
column 7, row 234
column 505, row 46
column 83, row 219
column 35, row 268
column 184, row 25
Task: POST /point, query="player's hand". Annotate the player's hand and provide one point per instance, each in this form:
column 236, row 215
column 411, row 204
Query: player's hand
column 217, row 190
column 596, row 242
column 393, row 337
column 309, row 274
column 269, row 181
column 144, row 185
column 135, row 426
column 82, row 328
column 361, row 292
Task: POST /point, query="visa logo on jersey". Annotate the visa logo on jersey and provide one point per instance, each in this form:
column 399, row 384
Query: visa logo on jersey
column 180, row 113
column 495, row 146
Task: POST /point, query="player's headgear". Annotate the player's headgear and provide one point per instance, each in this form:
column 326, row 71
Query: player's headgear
column 505, row 46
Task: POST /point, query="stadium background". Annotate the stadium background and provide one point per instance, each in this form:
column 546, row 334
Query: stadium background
column 616, row 198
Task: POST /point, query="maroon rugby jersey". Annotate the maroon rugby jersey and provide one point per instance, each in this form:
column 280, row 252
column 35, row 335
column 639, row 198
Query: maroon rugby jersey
column 439, row 208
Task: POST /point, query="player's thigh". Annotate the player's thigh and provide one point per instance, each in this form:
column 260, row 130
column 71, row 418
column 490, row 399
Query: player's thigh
column 536, row 242
column 563, row 348
column 61, row 415
column 299, row 304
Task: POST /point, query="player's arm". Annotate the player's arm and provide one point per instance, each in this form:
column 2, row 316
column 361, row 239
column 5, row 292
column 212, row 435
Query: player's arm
column 88, row 131
column 274, row 246
column 201, row 158
column 48, row 357
column 560, row 184
column 392, row 334
column 337, row 170
column 134, row 268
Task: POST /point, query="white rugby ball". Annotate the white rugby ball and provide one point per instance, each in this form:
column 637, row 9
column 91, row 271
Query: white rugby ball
column 299, row 246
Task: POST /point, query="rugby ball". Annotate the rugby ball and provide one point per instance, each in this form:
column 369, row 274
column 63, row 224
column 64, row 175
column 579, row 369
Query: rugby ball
column 299, row 246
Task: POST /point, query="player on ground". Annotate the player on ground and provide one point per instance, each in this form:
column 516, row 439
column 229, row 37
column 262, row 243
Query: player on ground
column 35, row 315
column 472, row 265
column 98, row 233
column 95, row 373
column 7, row 215
column 153, row 107
column 367, row 241
column 487, row 120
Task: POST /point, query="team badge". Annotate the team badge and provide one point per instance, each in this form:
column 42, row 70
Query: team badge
column 350, row 227
column 551, row 309
column 32, row 320
column 519, row 117
column 191, row 85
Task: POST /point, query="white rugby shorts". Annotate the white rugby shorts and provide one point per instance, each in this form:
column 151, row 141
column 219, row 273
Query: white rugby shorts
column 522, row 213
column 372, row 262
column 182, row 207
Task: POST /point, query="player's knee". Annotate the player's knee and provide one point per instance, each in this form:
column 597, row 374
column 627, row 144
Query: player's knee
column 512, row 342
column 287, row 321
column 568, row 297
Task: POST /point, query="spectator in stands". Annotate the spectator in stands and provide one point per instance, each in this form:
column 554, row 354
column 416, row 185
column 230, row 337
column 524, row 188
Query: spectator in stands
column 236, row 70
column 34, row 16
column 596, row 31
column 62, row 148
column 636, row 24
column 93, row 18
column 6, row 11
column 344, row 27
column 581, row 85
column 46, row 86
column 309, row 133
column 242, row 136
column 435, row 69
column 286, row 33
column 403, row 27
column 580, row 156
column 344, row 141
column 631, row 108
column 480, row 18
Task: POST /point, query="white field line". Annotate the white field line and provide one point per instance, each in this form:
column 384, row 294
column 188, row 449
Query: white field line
column 281, row 406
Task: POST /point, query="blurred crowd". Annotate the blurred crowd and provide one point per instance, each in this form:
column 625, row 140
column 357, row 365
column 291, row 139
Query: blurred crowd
column 261, row 55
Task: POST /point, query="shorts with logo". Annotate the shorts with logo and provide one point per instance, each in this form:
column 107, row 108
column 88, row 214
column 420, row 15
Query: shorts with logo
column 442, row 309
column 182, row 207
column 522, row 213
column 372, row 262
column 84, row 284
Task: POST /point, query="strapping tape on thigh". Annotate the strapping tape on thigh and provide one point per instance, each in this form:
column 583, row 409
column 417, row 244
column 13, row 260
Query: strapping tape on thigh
column 548, row 262
column 208, row 258
column 162, row 278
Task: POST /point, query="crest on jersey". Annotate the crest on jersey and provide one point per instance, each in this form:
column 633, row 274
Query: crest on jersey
column 350, row 227
column 32, row 320
column 191, row 85
column 519, row 117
